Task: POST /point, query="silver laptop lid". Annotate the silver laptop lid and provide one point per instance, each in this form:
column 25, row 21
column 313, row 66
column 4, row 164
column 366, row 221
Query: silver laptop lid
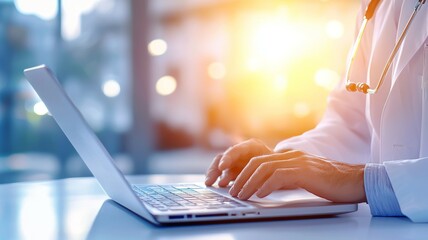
column 83, row 139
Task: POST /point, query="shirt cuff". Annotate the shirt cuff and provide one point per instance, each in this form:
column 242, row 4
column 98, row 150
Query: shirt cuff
column 379, row 193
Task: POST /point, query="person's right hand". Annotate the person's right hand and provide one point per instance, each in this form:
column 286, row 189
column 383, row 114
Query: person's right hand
column 229, row 164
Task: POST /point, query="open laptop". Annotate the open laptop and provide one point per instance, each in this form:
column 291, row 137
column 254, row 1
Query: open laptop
column 173, row 203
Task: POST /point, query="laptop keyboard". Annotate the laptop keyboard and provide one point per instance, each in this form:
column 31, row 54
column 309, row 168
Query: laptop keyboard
column 183, row 197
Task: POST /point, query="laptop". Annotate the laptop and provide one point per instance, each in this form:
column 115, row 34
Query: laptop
column 167, row 203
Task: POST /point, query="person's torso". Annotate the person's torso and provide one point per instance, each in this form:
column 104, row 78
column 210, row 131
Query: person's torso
column 395, row 113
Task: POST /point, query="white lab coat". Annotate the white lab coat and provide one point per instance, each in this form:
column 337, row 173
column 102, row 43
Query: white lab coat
column 390, row 127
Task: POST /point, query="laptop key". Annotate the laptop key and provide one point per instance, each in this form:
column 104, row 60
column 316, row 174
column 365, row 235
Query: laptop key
column 183, row 197
column 171, row 204
column 189, row 204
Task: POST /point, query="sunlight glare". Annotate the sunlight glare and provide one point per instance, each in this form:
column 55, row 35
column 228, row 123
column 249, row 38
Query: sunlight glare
column 37, row 216
column 269, row 40
column 275, row 39
column 280, row 83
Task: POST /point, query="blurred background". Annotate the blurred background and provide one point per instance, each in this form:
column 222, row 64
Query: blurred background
column 166, row 85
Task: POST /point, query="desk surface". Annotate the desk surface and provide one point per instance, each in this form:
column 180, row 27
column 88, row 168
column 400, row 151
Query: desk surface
column 78, row 209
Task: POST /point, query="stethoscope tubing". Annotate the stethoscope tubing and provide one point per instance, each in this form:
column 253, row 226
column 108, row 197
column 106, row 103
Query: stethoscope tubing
column 364, row 87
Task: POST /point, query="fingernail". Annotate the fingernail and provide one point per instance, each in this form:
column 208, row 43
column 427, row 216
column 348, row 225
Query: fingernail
column 240, row 195
column 232, row 192
column 221, row 165
column 207, row 180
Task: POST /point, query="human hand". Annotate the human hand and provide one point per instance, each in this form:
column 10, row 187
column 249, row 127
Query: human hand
column 230, row 163
column 335, row 181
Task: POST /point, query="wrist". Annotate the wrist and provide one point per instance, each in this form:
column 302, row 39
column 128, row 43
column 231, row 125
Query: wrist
column 360, row 183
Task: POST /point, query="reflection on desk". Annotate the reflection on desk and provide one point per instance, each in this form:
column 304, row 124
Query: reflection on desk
column 78, row 209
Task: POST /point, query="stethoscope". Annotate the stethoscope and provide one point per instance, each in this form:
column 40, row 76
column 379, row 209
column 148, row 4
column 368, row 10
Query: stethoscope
column 364, row 87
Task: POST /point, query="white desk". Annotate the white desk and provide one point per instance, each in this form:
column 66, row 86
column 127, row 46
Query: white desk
column 78, row 209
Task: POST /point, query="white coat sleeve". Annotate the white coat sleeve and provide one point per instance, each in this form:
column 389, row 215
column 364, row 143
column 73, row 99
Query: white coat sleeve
column 343, row 133
column 409, row 179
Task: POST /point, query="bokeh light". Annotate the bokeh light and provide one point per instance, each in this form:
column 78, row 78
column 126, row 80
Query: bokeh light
column 334, row 29
column 327, row 78
column 44, row 9
column 217, row 70
column 40, row 109
column 301, row 109
column 72, row 16
column 111, row 88
column 166, row 85
column 157, row 47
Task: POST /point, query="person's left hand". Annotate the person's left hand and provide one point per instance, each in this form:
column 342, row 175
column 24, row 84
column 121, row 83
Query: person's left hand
column 335, row 181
